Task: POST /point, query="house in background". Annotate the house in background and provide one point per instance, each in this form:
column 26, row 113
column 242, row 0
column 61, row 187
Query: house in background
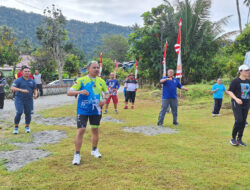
column 25, row 60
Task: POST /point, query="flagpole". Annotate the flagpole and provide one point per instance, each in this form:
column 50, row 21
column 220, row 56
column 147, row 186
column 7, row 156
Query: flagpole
column 164, row 59
column 136, row 69
column 178, row 51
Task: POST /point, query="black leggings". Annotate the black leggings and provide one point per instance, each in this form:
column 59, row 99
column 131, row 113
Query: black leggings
column 2, row 100
column 240, row 115
column 217, row 106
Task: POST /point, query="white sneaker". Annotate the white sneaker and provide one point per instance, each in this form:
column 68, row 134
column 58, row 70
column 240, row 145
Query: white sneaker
column 214, row 115
column 77, row 159
column 96, row 153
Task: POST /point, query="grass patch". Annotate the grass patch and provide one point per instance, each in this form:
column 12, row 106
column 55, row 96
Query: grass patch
column 198, row 157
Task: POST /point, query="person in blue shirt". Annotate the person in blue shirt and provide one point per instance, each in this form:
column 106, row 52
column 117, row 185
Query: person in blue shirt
column 217, row 89
column 25, row 90
column 113, row 86
column 90, row 90
column 169, row 96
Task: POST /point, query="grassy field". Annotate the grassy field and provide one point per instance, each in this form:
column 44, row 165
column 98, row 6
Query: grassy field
column 199, row 156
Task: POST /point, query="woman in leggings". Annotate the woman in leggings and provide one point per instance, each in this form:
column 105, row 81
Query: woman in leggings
column 239, row 92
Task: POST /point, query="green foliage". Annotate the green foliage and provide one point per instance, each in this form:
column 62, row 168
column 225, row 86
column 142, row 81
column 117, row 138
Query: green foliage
column 232, row 56
column 242, row 42
column 108, row 66
column 53, row 36
column 114, row 47
column 25, row 47
column 45, row 64
column 8, row 49
column 80, row 54
column 85, row 36
column 71, row 66
column 199, row 40
column 121, row 74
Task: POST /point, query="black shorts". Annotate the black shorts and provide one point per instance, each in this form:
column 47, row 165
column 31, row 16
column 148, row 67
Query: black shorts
column 94, row 120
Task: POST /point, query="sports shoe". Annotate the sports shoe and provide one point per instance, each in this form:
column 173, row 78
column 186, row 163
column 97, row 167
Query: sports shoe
column 77, row 159
column 176, row 123
column 240, row 142
column 160, row 124
column 132, row 107
column 116, row 111
column 234, row 142
column 96, row 153
column 27, row 130
column 105, row 111
column 15, row 131
column 214, row 115
column 126, row 107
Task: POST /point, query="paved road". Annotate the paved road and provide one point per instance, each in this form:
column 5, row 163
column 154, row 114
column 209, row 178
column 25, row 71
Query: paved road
column 43, row 102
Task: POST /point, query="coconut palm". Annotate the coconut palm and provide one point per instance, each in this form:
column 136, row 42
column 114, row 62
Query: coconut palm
column 239, row 17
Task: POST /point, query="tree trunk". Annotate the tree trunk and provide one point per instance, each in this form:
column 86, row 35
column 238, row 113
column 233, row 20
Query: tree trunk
column 60, row 71
column 238, row 11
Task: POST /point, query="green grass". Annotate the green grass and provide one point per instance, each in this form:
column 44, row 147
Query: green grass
column 199, row 156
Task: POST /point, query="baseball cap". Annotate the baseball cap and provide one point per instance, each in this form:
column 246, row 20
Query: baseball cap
column 243, row 68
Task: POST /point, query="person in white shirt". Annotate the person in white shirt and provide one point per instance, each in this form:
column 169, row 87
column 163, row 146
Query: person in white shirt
column 38, row 80
column 131, row 87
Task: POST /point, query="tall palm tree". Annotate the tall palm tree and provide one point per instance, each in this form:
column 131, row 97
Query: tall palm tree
column 239, row 17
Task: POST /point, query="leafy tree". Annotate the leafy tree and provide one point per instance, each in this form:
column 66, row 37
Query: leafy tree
column 45, row 64
column 70, row 48
column 200, row 40
column 114, row 47
column 25, row 47
column 147, row 42
column 8, row 50
column 72, row 65
column 85, row 36
column 53, row 36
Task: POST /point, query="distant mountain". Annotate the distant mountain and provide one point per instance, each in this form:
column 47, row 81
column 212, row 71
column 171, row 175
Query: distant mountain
column 86, row 36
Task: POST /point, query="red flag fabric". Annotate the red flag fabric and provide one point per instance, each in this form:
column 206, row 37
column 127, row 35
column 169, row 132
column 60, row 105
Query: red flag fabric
column 116, row 64
column 165, row 52
column 177, row 46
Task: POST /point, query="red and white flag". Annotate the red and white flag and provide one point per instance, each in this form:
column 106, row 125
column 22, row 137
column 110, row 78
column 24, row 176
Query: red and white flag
column 177, row 48
column 164, row 58
column 136, row 69
column 100, row 73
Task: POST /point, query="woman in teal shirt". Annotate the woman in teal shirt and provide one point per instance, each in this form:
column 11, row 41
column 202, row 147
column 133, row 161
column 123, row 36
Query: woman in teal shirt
column 217, row 89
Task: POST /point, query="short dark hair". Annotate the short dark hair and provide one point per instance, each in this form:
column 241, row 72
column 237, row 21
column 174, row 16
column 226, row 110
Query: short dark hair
column 24, row 67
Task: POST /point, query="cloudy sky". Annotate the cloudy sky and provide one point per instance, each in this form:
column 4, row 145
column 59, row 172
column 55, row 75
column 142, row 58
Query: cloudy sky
column 121, row 12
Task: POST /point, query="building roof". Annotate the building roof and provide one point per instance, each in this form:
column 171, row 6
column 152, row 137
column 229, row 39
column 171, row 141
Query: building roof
column 25, row 60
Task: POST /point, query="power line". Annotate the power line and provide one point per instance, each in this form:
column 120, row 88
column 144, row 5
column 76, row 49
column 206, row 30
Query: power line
column 26, row 4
